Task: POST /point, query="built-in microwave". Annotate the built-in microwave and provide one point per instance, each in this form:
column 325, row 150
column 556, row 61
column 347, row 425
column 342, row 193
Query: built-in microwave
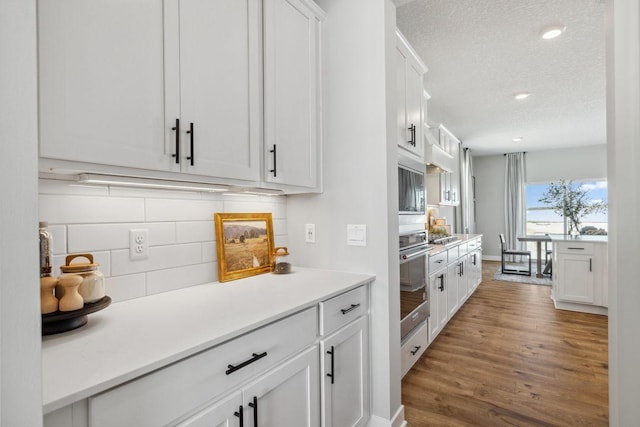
column 411, row 191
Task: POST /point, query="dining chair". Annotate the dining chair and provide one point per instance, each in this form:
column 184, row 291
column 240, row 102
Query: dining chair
column 512, row 252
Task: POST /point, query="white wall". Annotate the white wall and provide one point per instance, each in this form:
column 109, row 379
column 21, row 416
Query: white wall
column 541, row 166
column 623, row 134
column 20, row 361
column 568, row 163
column 182, row 250
column 360, row 176
column 489, row 173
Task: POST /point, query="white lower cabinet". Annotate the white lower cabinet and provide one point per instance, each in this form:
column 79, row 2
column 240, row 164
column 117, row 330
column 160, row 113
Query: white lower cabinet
column 413, row 347
column 475, row 269
column 224, row 413
column 344, row 372
column 439, row 313
column 580, row 276
column 454, row 275
column 285, row 397
column 269, row 377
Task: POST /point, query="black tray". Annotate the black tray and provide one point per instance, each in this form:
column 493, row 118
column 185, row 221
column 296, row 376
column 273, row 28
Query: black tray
column 62, row 321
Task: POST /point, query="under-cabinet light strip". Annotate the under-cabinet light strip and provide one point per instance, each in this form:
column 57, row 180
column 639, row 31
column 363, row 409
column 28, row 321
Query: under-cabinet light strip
column 149, row 183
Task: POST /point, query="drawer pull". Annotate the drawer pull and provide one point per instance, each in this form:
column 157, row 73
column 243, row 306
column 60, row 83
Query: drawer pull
column 346, row 310
column 254, row 405
column 439, row 261
column 255, row 357
column 239, row 414
column 415, row 350
column 330, row 375
column 576, row 249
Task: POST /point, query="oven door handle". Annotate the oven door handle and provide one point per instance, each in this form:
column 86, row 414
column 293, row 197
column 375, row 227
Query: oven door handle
column 408, row 257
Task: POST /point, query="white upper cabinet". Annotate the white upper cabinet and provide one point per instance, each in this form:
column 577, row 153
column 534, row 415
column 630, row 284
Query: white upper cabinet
column 102, row 82
column 409, row 88
column 292, row 92
column 214, row 52
column 183, row 86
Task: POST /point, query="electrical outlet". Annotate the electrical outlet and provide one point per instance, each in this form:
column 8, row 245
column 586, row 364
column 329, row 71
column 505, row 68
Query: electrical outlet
column 310, row 233
column 138, row 244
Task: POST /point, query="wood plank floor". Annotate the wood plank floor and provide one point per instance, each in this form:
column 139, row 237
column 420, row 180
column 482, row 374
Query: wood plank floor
column 509, row 358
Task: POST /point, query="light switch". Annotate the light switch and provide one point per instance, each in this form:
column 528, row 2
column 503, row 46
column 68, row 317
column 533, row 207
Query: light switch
column 357, row 234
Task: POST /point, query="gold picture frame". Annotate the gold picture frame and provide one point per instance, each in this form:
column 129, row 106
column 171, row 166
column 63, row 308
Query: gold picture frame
column 244, row 243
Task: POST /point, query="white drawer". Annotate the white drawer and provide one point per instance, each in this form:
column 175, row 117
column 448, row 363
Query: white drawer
column 577, row 248
column 453, row 254
column 344, row 308
column 474, row 244
column 413, row 348
column 162, row 396
column 463, row 249
column 437, row 261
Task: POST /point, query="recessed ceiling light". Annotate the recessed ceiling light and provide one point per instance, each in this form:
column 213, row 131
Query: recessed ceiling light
column 517, row 139
column 553, row 32
column 521, row 95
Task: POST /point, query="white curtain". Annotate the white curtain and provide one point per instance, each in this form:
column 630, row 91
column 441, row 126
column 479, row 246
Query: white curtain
column 515, row 201
column 467, row 199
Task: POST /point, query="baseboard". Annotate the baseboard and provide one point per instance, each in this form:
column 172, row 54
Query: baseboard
column 396, row 421
column 491, row 257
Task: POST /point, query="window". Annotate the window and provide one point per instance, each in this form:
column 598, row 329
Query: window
column 541, row 219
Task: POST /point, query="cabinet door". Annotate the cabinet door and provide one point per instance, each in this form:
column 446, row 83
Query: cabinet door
column 344, row 367
column 224, row 413
column 291, row 92
column 101, row 82
column 287, row 396
column 454, row 177
column 402, row 126
column 463, row 279
column 414, row 106
column 439, row 314
column 452, row 289
column 575, row 278
column 409, row 88
column 219, row 86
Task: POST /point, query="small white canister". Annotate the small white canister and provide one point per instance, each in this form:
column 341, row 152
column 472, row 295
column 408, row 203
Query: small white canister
column 92, row 287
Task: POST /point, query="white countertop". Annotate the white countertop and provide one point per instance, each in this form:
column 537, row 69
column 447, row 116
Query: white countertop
column 134, row 337
column 580, row 238
column 463, row 238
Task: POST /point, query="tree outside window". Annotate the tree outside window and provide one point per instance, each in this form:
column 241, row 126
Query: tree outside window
column 566, row 207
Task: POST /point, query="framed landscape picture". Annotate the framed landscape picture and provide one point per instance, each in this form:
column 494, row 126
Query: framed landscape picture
column 245, row 243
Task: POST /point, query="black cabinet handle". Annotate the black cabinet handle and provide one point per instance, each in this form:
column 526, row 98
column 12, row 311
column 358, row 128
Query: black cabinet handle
column 274, row 170
column 346, row 310
column 177, row 129
column 190, row 132
column 330, row 375
column 239, row 414
column 576, row 249
column 590, row 264
column 254, row 405
column 439, row 261
column 441, row 278
column 412, row 139
column 233, row 368
column 415, row 350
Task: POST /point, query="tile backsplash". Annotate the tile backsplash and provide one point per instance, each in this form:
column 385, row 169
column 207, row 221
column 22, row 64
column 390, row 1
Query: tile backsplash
column 182, row 249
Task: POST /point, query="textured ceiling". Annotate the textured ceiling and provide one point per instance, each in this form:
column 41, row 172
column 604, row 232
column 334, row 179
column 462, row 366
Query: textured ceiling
column 481, row 52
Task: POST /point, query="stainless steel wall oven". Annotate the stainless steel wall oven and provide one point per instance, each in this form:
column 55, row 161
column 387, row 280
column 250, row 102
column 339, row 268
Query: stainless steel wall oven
column 414, row 301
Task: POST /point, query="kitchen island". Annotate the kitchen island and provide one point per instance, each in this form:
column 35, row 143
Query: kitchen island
column 580, row 273
column 89, row 374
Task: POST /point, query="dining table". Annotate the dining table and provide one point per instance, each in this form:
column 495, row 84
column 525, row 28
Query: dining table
column 539, row 239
